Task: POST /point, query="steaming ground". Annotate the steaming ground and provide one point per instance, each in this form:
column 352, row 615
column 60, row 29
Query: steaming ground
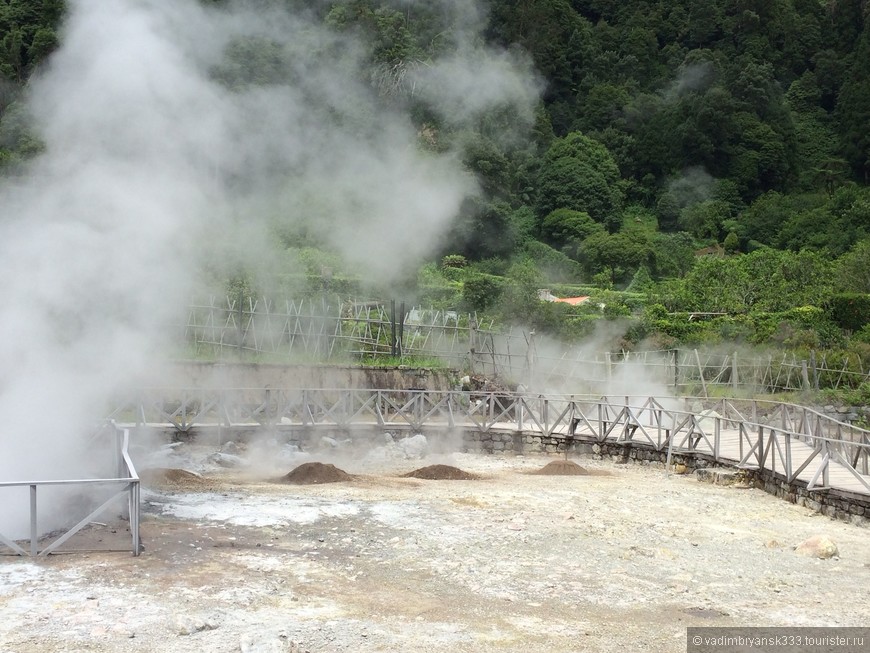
column 178, row 140
column 621, row 559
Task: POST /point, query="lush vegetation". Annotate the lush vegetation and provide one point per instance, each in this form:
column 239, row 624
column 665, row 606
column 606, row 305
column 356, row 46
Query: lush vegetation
column 687, row 156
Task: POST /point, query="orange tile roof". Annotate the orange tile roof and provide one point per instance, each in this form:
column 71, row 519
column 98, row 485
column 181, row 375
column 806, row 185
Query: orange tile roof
column 572, row 300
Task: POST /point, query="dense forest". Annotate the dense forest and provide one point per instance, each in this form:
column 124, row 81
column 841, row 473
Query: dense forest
column 686, row 156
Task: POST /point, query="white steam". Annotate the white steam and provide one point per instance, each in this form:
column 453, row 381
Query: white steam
column 691, row 77
column 693, row 186
column 171, row 128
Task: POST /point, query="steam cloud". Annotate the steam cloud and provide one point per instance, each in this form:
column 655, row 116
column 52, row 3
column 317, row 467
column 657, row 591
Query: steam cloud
column 693, row 186
column 690, row 77
column 159, row 149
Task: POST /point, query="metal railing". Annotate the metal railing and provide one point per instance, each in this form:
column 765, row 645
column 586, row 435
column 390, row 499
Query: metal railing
column 126, row 480
column 792, row 441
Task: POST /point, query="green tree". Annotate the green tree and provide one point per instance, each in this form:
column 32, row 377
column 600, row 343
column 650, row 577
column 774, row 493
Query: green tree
column 834, row 226
column 732, row 243
column 853, row 110
column 483, row 230
column 764, row 280
column 853, row 268
column 481, row 292
column 579, row 173
column 623, row 253
column 704, row 219
column 566, row 229
column 766, row 216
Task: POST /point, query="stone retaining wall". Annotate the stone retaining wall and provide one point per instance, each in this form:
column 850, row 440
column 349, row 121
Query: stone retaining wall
column 837, row 505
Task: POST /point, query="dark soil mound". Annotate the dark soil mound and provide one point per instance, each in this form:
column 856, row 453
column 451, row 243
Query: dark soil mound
column 562, row 468
column 313, row 473
column 171, row 477
column 441, row 473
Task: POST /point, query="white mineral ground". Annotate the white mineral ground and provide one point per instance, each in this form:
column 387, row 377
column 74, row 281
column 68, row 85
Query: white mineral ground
column 622, row 560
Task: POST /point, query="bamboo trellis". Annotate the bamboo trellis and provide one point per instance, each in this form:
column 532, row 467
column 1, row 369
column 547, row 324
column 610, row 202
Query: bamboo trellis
column 314, row 330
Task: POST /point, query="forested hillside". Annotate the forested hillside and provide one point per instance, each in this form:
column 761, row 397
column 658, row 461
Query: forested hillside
column 705, row 155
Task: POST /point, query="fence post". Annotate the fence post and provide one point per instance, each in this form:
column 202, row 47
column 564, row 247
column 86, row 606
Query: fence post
column 392, row 327
column 472, row 343
column 239, row 331
column 734, row 379
column 401, row 325
column 805, row 377
column 701, row 372
column 34, row 532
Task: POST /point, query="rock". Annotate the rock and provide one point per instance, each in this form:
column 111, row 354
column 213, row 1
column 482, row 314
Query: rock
column 226, row 460
column 818, row 546
column 187, row 625
column 773, row 544
column 327, row 442
column 727, row 477
column 679, row 468
column 230, row 447
column 414, row 447
column 267, row 643
column 707, row 420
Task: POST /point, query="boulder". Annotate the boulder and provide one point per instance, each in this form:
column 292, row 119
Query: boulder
column 818, row 546
column 414, row 447
column 231, row 448
column 729, row 477
column 227, row 460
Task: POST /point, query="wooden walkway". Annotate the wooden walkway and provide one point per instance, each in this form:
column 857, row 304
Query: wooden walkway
column 787, row 455
column 793, row 442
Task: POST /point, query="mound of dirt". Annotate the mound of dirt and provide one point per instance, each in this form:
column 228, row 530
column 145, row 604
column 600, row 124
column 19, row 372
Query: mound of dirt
column 441, row 473
column 171, row 477
column 314, row 473
column 562, row 468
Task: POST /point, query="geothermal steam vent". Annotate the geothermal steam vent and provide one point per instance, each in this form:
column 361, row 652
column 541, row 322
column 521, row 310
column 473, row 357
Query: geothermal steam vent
column 562, row 468
column 441, row 473
column 314, row 474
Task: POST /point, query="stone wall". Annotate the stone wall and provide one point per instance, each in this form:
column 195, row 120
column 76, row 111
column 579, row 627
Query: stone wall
column 842, row 506
column 253, row 375
column 847, row 414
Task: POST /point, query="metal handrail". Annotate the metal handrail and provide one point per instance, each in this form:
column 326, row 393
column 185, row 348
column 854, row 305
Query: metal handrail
column 127, row 476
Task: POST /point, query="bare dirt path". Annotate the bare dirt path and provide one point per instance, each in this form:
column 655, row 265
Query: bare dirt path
column 624, row 559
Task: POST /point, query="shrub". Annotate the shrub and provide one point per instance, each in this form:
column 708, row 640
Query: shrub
column 454, row 261
column 480, row 292
column 850, row 310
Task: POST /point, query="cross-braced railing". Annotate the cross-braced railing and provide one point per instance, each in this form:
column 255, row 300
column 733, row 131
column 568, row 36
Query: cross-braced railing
column 125, row 484
column 795, row 442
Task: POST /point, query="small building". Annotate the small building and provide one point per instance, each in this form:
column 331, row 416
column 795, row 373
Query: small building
column 545, row 295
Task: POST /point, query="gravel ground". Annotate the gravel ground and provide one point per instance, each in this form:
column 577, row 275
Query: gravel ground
column 624, row 559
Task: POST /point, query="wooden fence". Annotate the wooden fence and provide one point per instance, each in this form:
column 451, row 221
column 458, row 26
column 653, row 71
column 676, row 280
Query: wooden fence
column 316, row 331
